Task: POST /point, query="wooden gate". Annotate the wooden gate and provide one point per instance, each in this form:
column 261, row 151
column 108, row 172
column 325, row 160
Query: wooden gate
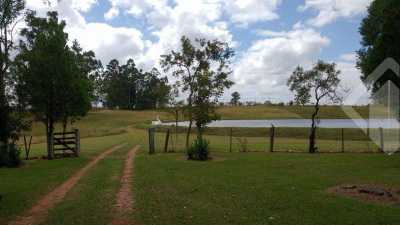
column 66, row 144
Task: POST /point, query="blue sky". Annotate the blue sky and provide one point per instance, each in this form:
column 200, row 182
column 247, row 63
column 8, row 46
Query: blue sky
column 270, row 37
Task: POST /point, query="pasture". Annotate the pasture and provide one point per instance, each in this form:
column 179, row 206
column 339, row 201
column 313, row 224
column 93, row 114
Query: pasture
column 256, row 187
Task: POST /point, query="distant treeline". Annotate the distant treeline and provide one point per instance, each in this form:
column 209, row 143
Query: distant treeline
column 127, row 87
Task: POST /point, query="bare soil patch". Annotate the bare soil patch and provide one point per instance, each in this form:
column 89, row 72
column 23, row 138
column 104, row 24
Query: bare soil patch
column 39, row 211
column 373, row 193
column 124, row 204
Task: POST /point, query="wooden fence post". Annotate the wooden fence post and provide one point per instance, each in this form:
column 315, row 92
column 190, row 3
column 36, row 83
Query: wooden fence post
column 272, row 137
column 230, row 139
column 51, row 146
column 342, row 139
column 77, row 142
column 382, row 144
column 151, row 140
column 27, row 147
column 166, row 141
column 368, row 138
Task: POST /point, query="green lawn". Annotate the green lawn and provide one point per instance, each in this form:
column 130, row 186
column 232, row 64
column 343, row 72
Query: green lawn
column 261, row 188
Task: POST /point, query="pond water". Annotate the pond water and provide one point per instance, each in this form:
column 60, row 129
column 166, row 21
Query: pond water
column 324, row 123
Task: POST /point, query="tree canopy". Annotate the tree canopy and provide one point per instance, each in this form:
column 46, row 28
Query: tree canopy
column 127, row 87
column 235, row 98
column 53, row 77
column 380, row 32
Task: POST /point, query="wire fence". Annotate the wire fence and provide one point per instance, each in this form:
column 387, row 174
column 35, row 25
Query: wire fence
column 276, row 139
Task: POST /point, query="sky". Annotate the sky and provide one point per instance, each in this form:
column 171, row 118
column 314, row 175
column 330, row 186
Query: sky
column 270, row 37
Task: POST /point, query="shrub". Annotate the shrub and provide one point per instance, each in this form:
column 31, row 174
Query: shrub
column 10, row 155
column 199, row 150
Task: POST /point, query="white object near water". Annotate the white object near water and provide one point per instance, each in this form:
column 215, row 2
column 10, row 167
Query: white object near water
column 157, row 122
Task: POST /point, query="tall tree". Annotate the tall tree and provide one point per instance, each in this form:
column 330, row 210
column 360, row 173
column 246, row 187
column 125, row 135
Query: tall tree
column 203, row 71
column 51, row 78
column 235, row 98
column 10, row 121
column 90, row 66
column 10, row 11
column 112, row 85
column 319, row 83
column 380, row 32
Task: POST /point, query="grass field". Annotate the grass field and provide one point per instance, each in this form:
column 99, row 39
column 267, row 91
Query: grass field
column 261, row 188
column 257, row 187
column 286, row 112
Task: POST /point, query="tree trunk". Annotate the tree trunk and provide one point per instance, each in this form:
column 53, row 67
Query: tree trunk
column 199, row 131
column 190, row 118
column 188, row 133
column 4, row 128
column 50, row 131
column 176, row 129
column 4, row 134
column 4, row 110
column 312, row 148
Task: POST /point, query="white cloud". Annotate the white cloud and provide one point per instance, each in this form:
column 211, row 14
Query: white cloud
column 106, row 41
column 240, row 12
column 244, row 12
column 109, row 42
column 331, row 10
column 135, row 7
column 192, row 19
column 83, row 5
column 111, row 13
column 349, row 57
column 43, row 5
column 264, row 68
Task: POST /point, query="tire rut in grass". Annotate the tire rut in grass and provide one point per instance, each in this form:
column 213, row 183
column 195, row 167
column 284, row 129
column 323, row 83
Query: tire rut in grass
column 124, row 203
column 39, row 211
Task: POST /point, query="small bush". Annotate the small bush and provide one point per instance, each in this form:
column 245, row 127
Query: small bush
column 10, row 155
column 199, row 150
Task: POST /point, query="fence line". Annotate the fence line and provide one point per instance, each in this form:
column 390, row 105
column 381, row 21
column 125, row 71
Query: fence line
column 273, row 139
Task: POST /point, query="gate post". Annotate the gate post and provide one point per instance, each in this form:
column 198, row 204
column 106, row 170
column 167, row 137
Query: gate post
column 51, row 146
column 77, row 142
column 342, row 137
column 230, row 139
column 382, row 143
column 272, row 136
column 166, row 141
column 151, row 140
